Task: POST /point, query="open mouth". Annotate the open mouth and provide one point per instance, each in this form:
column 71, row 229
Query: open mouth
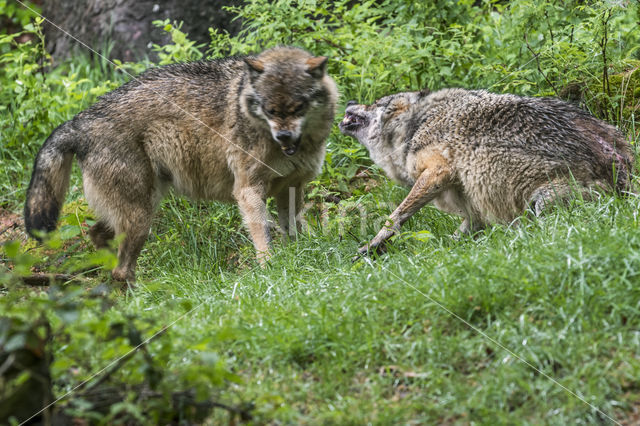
column 290, row 150
column 352, row 121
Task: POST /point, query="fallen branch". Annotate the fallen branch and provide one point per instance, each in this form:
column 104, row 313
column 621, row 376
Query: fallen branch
column 43, row 280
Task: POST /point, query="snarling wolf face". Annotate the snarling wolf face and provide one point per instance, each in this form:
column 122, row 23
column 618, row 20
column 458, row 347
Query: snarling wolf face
column 369, row 124
column 287, row 87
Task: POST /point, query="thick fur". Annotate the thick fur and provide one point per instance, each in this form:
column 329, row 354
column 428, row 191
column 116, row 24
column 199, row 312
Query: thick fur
column 236, row 129
column 486, row 157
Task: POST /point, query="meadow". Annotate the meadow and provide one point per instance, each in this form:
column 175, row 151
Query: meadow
column 535, row 322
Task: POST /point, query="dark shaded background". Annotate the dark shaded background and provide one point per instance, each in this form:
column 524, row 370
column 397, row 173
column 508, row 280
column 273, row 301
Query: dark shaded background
column 126, row 24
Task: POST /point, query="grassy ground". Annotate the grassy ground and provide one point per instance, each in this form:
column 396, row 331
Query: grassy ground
column 317, row 339
column 436, row 331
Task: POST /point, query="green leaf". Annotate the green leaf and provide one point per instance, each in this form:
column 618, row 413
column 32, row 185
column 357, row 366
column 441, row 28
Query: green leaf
column 69, row 231
column 12, row 248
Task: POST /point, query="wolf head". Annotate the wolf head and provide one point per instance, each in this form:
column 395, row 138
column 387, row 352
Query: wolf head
column 387, row 118
column 287, row 86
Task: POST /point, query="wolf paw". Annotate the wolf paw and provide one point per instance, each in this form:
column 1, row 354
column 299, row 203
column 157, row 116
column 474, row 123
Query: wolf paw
column 123, row 275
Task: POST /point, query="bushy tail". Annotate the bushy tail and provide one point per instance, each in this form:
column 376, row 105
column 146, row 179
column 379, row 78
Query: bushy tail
column 49, row 181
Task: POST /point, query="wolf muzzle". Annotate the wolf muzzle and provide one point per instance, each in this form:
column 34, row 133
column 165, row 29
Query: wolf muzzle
column 288, row 143
column 352, row 120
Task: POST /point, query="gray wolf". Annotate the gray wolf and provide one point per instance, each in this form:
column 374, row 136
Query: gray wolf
column 235, row 129
column 486, row 157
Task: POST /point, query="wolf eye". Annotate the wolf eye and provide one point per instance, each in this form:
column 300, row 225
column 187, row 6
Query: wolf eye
column 298, row 108
column 270, row 111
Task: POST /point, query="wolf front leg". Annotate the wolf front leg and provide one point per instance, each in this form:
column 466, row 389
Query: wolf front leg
column 429, row 184
column 253, row 207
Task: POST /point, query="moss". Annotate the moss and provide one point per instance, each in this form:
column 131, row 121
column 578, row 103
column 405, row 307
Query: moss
column 624, row 92
column 627, row 83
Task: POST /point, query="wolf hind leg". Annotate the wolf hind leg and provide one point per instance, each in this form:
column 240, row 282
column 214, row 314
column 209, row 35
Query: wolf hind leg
column 129, row 218
column 135, row 227
column 546, row 196
column 558, row 193
column 129, row 251
column 124, row 200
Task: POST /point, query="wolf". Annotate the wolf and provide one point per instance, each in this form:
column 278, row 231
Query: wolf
column 237, row 129
column 486, row 157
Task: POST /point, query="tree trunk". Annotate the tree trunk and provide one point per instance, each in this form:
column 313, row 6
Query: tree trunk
column 123, row 29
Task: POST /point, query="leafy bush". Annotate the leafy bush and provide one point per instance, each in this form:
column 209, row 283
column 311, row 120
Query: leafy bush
column 35, row 98
column 58, row 341
column 13, row 16
column 524, row 46
column 181, row 50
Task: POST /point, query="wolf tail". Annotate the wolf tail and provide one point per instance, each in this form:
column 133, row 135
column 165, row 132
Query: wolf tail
column 49, row 181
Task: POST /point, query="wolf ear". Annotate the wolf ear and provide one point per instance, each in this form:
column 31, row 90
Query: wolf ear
column 256, row 66
column 317, row 66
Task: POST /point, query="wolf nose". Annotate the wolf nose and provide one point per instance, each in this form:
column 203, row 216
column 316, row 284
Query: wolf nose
column 351, row 103
column 284, row 136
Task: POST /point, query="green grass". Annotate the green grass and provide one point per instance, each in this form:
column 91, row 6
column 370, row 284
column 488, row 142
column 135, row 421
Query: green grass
column 317, row 339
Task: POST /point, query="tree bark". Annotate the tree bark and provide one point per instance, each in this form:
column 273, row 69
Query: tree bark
column 123, row 28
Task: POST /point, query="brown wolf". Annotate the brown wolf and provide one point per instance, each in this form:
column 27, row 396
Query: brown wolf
column 235, row 129
column 486, row 157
